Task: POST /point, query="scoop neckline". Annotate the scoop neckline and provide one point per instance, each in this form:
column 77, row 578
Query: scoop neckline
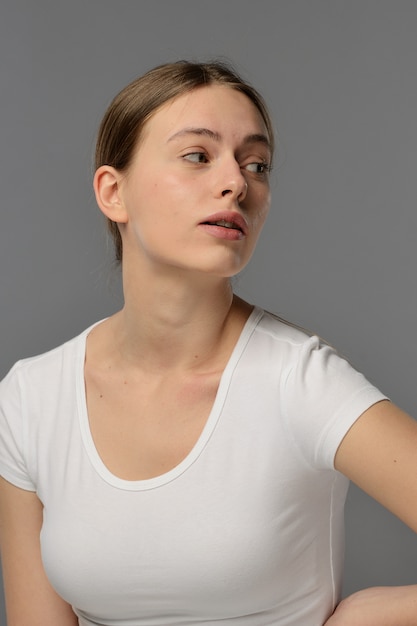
column 204, row 437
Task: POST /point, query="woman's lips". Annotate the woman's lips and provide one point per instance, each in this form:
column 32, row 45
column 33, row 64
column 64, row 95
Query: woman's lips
column 226, row 224
column 222, row 232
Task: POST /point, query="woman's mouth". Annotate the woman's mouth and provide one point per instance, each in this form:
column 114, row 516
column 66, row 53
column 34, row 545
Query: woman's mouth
column 228, row 220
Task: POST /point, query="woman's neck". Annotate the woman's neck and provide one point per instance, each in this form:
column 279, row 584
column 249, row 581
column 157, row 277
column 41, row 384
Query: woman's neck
column 170, row 323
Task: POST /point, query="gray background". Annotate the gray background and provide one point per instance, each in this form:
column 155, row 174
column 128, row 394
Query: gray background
column 339, row 253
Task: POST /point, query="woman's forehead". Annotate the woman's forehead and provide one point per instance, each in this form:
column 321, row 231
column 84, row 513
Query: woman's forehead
column 219, row 108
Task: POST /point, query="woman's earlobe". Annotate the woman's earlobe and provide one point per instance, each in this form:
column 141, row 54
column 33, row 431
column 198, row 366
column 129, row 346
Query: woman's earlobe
column 107, row 191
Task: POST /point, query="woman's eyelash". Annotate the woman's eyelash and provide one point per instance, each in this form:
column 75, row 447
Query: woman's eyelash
column 258, row 167
column 196, row 157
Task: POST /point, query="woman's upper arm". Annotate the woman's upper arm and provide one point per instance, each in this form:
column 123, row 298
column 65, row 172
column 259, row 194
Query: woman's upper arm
column 379, row 454
column 30, row 599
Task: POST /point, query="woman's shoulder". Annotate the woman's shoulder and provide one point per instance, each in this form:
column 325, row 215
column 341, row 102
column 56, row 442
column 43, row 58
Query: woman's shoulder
column 43, row 366
column 283, row 330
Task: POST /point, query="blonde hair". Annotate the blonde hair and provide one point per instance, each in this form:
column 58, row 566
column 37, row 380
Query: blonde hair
column 123, row 122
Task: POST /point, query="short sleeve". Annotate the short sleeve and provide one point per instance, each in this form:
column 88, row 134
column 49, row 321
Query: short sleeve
column 323, row 395
column 13, row 440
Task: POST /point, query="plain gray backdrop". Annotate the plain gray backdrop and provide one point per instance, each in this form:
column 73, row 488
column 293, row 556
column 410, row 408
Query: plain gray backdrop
column 339, row 252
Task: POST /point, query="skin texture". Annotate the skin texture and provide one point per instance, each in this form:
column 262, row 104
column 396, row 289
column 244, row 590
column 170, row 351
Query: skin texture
column 385, row 606
column 198, row 161
column 203, row 157
column 379, row 455
column 30, row 598
column 194, row 160
column 159, row 204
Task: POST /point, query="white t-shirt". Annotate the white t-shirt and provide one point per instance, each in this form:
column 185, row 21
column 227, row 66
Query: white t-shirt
column 247, row 530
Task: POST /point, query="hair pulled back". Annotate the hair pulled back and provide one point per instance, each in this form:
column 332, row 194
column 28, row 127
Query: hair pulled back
column 123, row 122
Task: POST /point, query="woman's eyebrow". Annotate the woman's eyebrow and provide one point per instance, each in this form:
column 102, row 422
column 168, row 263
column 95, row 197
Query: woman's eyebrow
column 206, row 132
column 196, row 131
column 258, row 138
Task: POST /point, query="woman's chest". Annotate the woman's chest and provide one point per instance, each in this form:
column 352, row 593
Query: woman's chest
column 210, row 545
column 212, row 539
column 144, row 426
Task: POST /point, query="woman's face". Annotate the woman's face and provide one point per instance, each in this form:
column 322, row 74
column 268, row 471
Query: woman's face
column 196, row 194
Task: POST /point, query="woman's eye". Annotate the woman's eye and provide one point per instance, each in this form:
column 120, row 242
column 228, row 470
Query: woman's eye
column 257, row 168
column 196, row 157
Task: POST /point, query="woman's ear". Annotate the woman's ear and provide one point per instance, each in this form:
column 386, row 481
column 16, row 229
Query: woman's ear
column 107, row 189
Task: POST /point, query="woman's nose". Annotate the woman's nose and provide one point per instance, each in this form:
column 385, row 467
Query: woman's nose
column 241, row 195
column 231, row 182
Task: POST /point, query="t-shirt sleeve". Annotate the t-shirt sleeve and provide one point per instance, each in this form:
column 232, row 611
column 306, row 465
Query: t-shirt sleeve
column 323, row 396
column 13, row 439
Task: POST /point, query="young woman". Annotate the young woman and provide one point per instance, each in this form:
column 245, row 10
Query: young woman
column 186, row 460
